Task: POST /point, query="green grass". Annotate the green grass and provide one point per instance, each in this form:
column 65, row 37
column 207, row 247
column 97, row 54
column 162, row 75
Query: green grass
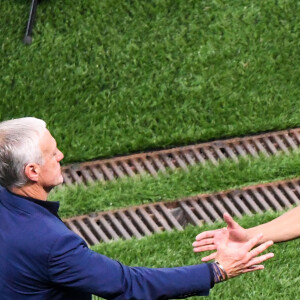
column 174, row 185
column 279, row 280
column 115, row 77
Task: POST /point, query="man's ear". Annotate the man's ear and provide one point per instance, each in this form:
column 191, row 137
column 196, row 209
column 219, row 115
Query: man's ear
column 32, row 172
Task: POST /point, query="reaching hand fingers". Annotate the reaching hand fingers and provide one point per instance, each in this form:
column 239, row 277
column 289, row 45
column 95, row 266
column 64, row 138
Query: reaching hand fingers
column 209, row 257
column 256, row 251
column 205, row 235
column 208, row 241
column 205, row 248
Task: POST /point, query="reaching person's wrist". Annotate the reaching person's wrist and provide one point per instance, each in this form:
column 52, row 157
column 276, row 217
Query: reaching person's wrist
column 251, row 233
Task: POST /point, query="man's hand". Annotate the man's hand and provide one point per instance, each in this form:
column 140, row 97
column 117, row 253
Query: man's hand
column 210, row 240
column 237, row 257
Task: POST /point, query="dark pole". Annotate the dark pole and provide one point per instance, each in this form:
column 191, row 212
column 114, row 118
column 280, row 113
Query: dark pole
column 28, row 35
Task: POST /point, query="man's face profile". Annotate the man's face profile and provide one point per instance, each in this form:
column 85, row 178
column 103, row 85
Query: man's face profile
column 50, row 171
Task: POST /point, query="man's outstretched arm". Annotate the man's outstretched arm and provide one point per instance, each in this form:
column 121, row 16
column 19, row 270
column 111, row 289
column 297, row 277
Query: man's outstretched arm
column 284, row 228
column 73, row 265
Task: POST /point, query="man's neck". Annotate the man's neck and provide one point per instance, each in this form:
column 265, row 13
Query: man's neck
column 31, row 191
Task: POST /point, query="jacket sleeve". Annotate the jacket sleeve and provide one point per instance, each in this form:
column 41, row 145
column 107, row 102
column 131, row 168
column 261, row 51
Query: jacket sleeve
column 72, row 264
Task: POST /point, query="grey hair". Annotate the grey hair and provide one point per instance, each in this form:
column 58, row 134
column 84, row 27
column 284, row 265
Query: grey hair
column 19, row 146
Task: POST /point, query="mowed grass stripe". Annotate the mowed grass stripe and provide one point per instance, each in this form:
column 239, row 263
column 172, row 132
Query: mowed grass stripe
column 166, row 216
column 209, row 178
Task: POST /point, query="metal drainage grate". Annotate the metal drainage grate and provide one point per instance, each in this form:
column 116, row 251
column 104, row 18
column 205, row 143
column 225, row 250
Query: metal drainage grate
column 181, row 157
column 147, row 219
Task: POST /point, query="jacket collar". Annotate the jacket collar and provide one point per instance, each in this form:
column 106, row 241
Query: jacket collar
column 26, row 204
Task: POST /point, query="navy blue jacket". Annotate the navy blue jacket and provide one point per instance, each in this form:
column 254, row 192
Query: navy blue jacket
column 40, row 258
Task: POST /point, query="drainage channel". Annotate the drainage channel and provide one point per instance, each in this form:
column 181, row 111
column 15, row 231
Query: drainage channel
column 139, row 221
column 182, row 157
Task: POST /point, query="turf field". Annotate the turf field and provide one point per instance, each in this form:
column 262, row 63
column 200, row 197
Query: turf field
column 115, row 77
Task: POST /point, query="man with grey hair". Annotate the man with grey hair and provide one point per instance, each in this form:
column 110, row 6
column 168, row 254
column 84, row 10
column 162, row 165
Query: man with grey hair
column 41, row 258
column 26, row 145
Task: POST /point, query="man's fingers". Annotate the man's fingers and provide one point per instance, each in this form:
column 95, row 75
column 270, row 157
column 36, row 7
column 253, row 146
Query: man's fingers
column 254, row 268
column 209, row 257
column 256, row 251
column 205, row 248
column 258, row 260
column 254, row 241
column 208, row 241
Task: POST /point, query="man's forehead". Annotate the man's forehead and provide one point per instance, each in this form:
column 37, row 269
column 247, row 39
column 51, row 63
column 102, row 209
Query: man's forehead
column 47, row 141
